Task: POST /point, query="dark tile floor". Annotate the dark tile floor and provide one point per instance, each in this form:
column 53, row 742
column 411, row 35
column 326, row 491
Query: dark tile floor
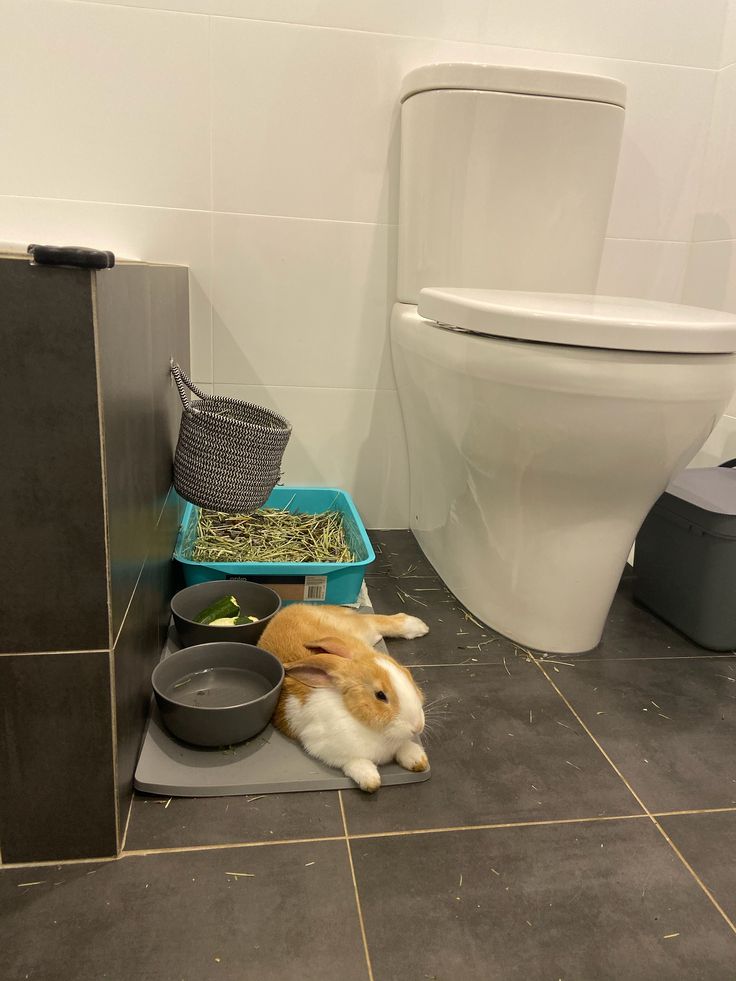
column 580, row 824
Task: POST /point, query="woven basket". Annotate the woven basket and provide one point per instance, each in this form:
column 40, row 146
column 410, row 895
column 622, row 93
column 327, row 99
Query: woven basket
column 228, row 456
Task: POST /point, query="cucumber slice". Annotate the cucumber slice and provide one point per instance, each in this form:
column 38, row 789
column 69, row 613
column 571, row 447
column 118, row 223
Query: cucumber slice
column 224, row 622
column 226, row 606
column 241, row 621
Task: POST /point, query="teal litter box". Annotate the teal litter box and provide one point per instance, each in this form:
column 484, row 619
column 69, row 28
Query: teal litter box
column 314, row 582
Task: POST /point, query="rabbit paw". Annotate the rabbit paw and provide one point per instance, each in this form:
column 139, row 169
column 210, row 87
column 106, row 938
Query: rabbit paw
column 412, row 757
column 412, row 627
column 364, row 773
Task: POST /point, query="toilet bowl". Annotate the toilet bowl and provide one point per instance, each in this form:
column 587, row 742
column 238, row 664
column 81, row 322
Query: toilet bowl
column 542, row 422
column 533, row 463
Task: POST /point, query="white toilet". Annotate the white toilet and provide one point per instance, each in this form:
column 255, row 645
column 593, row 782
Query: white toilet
column 542, row 422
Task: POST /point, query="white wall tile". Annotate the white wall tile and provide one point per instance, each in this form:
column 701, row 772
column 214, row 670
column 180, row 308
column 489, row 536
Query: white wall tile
column 184, row 6
column 104, row 103
column 153, row 234
column 711, row 276
column 721, row 445
column 728, row 49
column 332, row 152
column 299, row 302
column 342, row 438
column 711, row 281
column 304, row 120
column 716, row 214
column 685, row 32
column 665, row 135
column 635, row 267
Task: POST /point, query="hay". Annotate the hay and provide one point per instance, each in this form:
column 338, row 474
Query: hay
column 270, row 535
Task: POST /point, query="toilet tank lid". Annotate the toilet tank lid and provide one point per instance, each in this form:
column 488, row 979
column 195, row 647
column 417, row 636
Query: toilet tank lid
column 521, row 81
column 574, row 319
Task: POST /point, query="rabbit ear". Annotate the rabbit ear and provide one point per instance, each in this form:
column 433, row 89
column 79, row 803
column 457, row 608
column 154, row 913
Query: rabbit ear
column 317, row 671
column 330, row 645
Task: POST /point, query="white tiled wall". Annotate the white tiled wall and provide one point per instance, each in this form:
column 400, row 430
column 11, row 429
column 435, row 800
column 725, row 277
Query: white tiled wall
column 257, row 141
column 711, row 271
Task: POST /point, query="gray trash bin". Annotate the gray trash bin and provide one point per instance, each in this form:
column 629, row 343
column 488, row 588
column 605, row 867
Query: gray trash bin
column 685, row 557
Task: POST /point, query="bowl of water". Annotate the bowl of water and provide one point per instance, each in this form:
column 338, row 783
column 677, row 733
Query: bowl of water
column 217, row 694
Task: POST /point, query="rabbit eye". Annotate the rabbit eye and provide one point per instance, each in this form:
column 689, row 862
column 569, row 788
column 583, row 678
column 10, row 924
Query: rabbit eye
column 381, row 696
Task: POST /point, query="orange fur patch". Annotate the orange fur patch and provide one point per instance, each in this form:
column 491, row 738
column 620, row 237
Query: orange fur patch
column 358, row 678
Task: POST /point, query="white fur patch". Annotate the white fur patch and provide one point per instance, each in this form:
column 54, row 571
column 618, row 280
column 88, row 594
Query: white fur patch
column 410, row 705
column 413, row 627
column 328, row 731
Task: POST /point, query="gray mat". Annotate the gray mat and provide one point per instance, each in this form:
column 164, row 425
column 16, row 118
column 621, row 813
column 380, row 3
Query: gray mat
column 267, row 764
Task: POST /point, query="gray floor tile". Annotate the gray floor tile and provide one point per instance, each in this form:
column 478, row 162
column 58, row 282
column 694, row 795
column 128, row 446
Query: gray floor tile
column 505, row 749
column 156, row 823
column 455, row 637
column 185, row 917
column 399, row 554
column 670, row 726
column 593, row 902
column 634, row 632
column 708, row 842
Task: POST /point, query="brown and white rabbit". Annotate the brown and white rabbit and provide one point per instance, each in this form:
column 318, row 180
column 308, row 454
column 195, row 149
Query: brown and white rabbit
column 348, row 705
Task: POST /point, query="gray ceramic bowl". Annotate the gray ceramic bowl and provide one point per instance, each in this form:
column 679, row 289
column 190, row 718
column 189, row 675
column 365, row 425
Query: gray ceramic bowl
column 217, row 694
column 254, row 599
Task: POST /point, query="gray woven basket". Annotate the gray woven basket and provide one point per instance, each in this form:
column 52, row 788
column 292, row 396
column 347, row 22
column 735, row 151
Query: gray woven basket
column 228, row 456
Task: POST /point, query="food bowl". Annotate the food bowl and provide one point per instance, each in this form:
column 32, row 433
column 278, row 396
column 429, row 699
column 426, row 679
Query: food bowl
column 217, row 694
column 253, row 598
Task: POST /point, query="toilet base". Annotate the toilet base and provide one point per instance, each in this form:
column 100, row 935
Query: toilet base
column 534, row 465
column 551, row 616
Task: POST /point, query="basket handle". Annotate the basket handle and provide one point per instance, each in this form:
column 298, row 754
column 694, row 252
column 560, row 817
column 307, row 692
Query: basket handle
column 183, row 380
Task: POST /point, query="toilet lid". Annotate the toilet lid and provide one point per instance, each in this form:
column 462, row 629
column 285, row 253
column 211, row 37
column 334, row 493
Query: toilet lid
column 577, row 320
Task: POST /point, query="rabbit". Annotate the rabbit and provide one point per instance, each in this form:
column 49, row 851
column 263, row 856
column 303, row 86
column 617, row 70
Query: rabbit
column 347, row 704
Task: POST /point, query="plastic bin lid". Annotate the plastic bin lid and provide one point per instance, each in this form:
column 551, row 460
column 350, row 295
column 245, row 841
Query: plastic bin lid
column 706, row 498
column 709, row 488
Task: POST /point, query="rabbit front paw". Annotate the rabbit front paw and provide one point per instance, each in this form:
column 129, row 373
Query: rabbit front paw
column 364, row 773
column 412, row 757
column 412, row 627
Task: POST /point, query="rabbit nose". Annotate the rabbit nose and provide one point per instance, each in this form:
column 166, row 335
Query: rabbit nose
column 418, row 726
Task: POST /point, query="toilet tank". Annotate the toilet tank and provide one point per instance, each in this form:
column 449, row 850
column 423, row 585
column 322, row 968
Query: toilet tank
column 506, row 177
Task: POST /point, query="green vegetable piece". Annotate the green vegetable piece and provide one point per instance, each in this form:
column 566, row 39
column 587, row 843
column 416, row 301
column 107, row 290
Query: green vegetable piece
column 241, row 621
column 226, row 606
column 224, row 622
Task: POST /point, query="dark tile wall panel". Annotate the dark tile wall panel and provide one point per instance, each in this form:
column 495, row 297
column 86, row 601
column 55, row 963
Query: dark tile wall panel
column 126, row 383
column 57, row 796
column 139, row 647
column 53, row 593
column 169, row 295
column 142, row 319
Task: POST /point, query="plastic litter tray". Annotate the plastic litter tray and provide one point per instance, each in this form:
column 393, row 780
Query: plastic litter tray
column 313, row 582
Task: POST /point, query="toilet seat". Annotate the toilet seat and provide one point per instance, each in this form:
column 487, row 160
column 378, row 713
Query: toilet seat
column 578, row 320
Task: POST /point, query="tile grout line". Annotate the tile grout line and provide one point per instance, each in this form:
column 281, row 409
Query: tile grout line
column 355, row 889
column 641, row 803
column 702, row 810
column 127, row 824
column 501, row 826
column 223, row 846
column 102, row 436
column 393, row 35
column 233, row 214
